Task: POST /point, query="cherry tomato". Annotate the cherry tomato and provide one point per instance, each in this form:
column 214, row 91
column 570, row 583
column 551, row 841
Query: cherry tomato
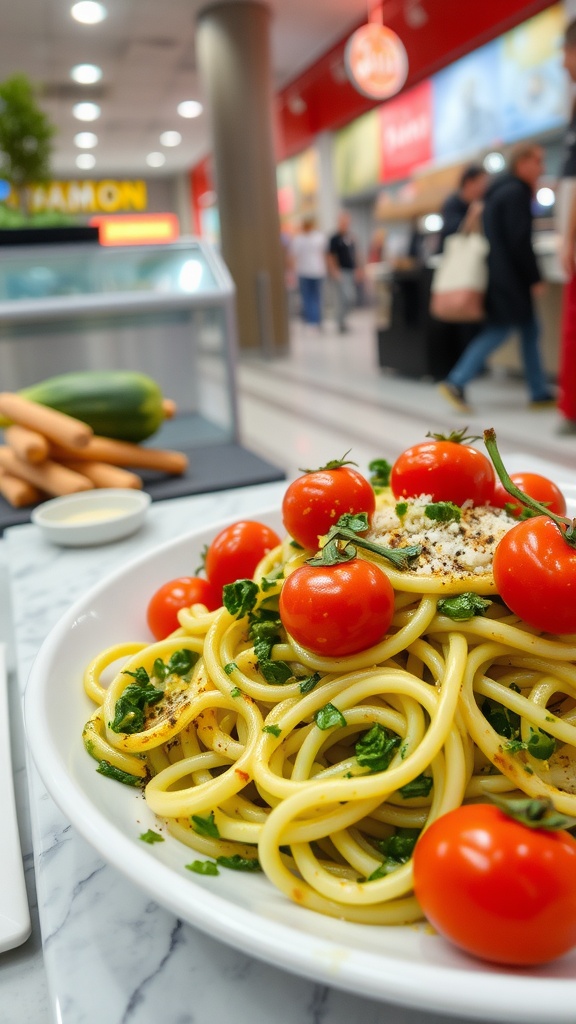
column 164, row 605
column 497, row 889
column 315, row 501
column 336, row 610
column 236, row 551
column 447, row 470
column 535, row 486
column 535, row 575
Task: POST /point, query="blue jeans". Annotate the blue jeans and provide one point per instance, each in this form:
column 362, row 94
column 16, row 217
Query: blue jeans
column 472, row 360
column 311, row 295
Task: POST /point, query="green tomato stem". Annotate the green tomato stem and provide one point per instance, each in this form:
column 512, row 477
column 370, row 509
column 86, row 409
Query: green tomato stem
column 569, row 533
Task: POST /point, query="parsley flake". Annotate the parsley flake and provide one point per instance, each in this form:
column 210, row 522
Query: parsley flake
column 203, row 867
column 329, row 716
column 205, row 826
column 151, row 837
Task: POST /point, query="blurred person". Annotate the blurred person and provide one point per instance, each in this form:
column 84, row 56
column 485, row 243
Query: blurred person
column 461, row 211
column 513, row 280
column 308, row 260
column 343, row 269
column 566, row 205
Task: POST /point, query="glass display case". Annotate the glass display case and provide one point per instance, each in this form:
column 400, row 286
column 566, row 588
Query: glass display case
column 165, row 310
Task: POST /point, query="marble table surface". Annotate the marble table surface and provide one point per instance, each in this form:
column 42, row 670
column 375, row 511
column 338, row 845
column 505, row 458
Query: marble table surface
column 101, row 950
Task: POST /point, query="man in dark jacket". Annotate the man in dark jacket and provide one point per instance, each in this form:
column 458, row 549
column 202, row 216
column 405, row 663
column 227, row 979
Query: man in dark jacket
column 513, row 280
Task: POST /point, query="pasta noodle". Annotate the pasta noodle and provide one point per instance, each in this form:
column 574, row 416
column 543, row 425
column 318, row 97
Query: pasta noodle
column 325, row 779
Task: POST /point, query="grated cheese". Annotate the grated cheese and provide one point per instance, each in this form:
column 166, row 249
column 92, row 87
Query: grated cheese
column 455, row 549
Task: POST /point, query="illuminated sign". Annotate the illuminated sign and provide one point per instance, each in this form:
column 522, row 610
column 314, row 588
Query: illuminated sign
column 106, row 196
column 137, row 229
column 376, row 61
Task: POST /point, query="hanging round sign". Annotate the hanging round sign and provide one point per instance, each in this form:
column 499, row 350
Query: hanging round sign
column 376, row 61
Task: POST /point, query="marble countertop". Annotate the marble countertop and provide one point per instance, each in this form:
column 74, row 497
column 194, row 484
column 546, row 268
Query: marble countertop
column 101, row 950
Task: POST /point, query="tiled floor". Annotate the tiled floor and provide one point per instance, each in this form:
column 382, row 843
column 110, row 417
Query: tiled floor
column 329, row 395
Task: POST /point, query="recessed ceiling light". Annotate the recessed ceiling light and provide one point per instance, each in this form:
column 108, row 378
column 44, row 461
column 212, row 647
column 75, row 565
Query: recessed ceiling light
column 170, row 139
column 85, row 140
column 88, row 12
column 86, row 111
column 190, row 108
column 85, row 161
column 86, row 74
column 155, row 159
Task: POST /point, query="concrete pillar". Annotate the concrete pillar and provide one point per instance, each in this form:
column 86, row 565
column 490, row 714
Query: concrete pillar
column 233, row 50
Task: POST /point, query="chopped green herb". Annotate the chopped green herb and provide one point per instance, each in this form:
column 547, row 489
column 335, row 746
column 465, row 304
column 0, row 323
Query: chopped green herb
column 375, row 748
column 382, row 871
column 329, row 716
column 205, row 826
column 420, row 786
column 130, row 709
column 151, row 837
column 230, row 667
column 238, row 863
column 182, row 661
column 400, row 846
column 463, row 606
column 514, row 746
column 140, row 675
column 240, row 597
column 276, row 672
column 111, row 772
column 269, row 582
column 202, row 565
column 264, row 633
column 540, row 744
column 308, row 684
column 296, row 545
column 236, row 692
column 504, row 721
column 401, row 509
column 160, row 670
column 203, row 867
column 443, row 512
column 380, row 470
column 274, row 730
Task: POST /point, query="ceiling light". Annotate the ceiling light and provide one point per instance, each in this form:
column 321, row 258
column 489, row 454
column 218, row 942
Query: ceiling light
column 494, row 162
column 155, row 159
column 86, row 111
column 170, row 139
column 86, row 74
column 545, row 196
column 190, row 108
column 85, row 140
column 88, row 12
column 85, row 161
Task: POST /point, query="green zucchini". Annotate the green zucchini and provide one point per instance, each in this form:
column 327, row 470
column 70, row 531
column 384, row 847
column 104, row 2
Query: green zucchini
column 116, row 403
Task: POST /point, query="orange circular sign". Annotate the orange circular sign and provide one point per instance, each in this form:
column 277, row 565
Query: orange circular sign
column 376, row 61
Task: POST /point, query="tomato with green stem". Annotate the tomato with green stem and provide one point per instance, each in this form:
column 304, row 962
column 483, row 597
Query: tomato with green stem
column 236, row 551
column 534, row 563
column 337, row 609
column 446, row 468
column 536, row 486
column 171, row 597
column 315, row 501
column 496, row 888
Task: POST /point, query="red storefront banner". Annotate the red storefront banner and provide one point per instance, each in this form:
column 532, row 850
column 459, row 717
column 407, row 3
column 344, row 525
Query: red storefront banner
column 406, row 132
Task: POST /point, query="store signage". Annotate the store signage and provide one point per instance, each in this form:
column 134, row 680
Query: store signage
column 137, row 229
column 376, row 61
column 407, row 132
column 106, row 196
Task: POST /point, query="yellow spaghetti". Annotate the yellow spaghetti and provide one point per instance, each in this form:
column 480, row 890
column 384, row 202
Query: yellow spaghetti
column 323, row 772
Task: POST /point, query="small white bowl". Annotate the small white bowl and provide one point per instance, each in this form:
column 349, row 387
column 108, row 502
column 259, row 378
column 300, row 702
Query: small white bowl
column 92, row 517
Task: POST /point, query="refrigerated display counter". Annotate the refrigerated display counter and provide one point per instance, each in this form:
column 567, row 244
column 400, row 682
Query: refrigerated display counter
column 165, row 310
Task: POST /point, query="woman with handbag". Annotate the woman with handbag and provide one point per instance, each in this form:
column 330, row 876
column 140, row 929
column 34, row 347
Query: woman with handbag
column 513, row 280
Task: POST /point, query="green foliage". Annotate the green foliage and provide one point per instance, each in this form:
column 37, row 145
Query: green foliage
column 25, row 134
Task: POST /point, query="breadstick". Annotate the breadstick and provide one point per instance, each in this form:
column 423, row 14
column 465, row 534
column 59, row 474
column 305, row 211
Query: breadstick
column 18, row 493
column 49, row 476
column 55, row 425
column 124, row 453
column 102, row 474
column 28, row 444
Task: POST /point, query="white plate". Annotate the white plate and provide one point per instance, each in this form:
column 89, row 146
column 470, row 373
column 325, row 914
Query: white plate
column 14, row 914
column 407, row 965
